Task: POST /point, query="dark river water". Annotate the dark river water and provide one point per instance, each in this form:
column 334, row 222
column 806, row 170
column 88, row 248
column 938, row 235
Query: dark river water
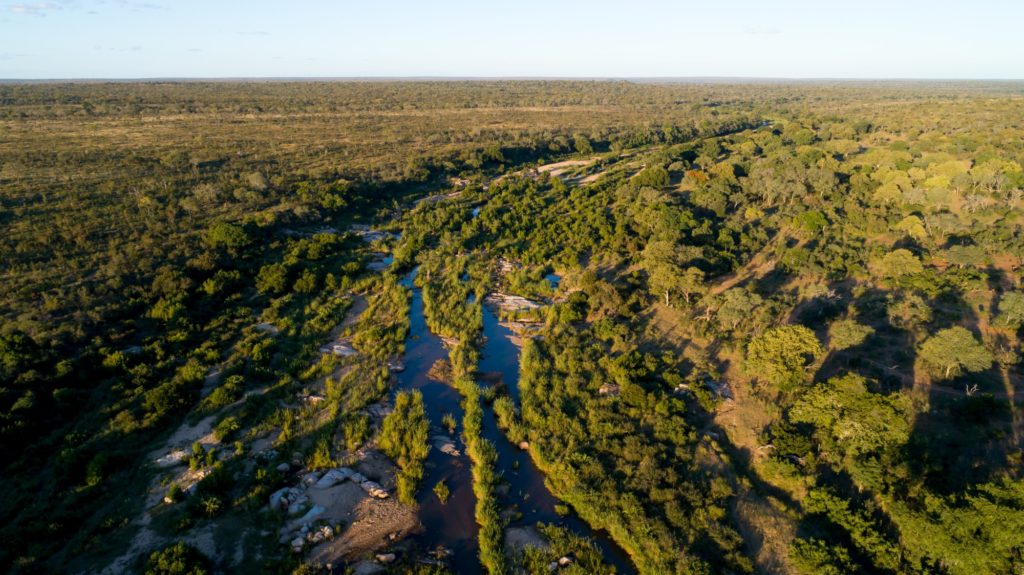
column 453, row 525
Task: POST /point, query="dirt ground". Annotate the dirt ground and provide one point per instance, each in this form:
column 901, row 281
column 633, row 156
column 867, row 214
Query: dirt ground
column 371, row 524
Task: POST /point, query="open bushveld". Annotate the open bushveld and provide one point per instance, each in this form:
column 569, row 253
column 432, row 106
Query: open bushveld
column 765, row 327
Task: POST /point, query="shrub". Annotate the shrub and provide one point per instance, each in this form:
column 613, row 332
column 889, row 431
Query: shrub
column 177, row 559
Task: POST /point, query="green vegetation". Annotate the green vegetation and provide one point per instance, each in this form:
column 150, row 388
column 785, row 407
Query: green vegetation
column 441, row 491
column 779, row 355
column 404, row 438
column 178, row 559
column 954, row 351
column 787, row 335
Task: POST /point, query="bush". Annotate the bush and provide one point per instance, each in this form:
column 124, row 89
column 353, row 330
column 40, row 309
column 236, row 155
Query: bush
column 177, row 559
column 226, row 428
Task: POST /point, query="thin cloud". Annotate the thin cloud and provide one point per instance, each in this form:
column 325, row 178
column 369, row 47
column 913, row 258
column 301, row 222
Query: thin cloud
column 254, row 33
column 35, row 8
column 140, row 5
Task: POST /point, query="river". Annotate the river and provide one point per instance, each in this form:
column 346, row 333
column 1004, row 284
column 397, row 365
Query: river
column 453, row 525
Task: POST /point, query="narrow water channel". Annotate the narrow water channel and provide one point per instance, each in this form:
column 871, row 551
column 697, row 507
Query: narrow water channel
column 527, row 490
column 453, row 525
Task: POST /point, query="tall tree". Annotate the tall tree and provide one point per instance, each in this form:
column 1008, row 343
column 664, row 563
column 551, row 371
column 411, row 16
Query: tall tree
column 953, row 352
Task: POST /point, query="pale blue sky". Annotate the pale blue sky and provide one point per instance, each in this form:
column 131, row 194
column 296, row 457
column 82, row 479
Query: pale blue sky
column 594, row 38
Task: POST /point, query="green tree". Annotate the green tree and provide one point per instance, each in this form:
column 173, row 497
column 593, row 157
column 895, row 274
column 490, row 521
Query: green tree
column 853, row 420
column 17, row 352
column 966, row 256
column 737, row 306
column 898, row 263
column 1011, row 311
column 909, row 311
column 652, row 176
column 953, row 352
column 231, row 236
column 778, row 356
column 272, row 278
column 847, row 333
column 818, row 557
column 582, row 144
column 659, row 259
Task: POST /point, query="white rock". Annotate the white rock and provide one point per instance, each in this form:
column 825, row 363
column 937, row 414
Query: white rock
column 284, row 467
column 386, row 557
column 310, row 478
column 171, row 459
column 312, row 514
column 564, row 561
column 374, row 489
column 299, row 505
column 334, row 477
column 277, row 496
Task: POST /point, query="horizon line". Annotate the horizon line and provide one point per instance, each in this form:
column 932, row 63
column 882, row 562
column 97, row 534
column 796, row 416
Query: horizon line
column 457, row 78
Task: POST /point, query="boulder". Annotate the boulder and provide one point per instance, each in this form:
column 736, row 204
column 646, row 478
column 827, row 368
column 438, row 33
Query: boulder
column 524, row 445
column 334, row 477
column 277, row 496
column 297, row 544
column 564, row 562
column 284, row 467
column 358, row 477
column 310, row 478
column 313, row 513
column 374, row 489
column 298, row 506
column 386, row 557
column 445, row 445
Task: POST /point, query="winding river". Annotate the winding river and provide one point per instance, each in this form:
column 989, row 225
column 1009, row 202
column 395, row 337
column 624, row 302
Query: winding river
column 453, row 525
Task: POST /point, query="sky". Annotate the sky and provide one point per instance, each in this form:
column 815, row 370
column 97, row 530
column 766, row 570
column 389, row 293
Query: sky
column 976, row 39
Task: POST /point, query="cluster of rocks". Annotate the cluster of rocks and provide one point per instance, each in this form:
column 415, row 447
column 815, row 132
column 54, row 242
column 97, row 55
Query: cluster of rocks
column 303, row 527
column 511, row 303
column 340, row 348
column 312, row 535
column 338, row 475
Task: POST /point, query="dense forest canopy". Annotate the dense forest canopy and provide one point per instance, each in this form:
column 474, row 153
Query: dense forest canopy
column 785, row 335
